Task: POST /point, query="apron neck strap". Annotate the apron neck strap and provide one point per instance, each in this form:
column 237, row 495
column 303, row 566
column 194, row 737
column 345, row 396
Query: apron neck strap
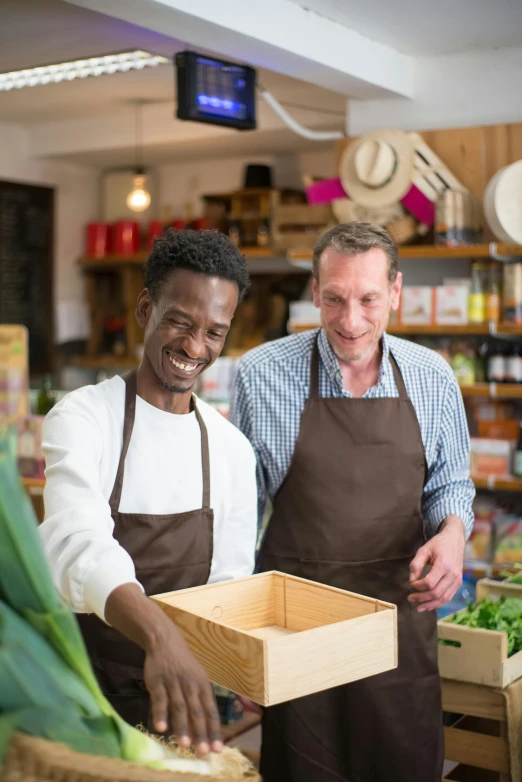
column 314, row 373
column 128, row 426
column 397, row 376
column 205, row 456
column 314, row 370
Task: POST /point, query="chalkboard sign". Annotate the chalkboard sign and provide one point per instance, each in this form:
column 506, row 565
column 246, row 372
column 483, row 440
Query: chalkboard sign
column 26, row 266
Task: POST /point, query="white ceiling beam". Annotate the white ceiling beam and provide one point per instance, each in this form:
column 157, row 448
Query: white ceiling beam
column 277, row 35
column 456, row 90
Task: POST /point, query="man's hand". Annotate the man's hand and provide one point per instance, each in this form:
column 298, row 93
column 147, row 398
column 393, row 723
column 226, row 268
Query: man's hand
column 444, row 554
column 181, row 694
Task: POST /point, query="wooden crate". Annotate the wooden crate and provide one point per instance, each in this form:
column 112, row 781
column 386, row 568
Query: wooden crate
column 299, row 226
column 488, row 587
column 478, row 740
column 481, row 657
column 273, row 637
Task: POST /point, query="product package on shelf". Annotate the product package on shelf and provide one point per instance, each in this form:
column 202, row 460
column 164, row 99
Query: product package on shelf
column 479, row 547
column 451, row 305
column 417, row 305
column 512, row 298
column 491, row 457
column 508, row 539
column 29, row 446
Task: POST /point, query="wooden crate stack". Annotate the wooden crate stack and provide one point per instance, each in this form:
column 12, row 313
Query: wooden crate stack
column 478, row 679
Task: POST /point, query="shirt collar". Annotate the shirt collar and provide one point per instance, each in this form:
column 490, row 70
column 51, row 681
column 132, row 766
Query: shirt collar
column 331, row 364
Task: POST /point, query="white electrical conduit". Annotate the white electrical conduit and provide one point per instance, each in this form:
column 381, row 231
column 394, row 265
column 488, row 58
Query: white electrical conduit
column 313, row 135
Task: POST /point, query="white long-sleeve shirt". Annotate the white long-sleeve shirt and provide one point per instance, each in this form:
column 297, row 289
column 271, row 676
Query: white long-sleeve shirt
column 82, row 439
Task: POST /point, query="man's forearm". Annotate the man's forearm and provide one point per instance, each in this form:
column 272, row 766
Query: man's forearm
column 137, row 617
column 453, row 525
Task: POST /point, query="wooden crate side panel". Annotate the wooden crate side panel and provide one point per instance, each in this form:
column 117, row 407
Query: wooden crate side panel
column 473, row 700
column 279, row 599
column 245, row 603
column 477, row 749
column 487, row 587
column 302, row 214
column 512, row 669
column 331, row 655
column 310, row 605
column 232, row 659
column 480, row 658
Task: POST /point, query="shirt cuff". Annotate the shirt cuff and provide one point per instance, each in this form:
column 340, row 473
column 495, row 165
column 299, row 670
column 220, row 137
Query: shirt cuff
column 439, row 512
column 98, row 586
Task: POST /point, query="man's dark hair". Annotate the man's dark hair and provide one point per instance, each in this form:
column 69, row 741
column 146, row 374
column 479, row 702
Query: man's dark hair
column 205, row 252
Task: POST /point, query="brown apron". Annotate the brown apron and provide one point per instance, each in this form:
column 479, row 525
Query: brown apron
column 348, row 515
column 170, row 551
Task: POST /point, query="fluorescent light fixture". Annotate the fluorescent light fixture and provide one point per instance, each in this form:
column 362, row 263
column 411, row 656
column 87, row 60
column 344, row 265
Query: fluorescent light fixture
column 80, row 69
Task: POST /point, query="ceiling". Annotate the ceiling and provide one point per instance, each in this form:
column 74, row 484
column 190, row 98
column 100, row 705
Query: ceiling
column 423, row 28
column 41, row 32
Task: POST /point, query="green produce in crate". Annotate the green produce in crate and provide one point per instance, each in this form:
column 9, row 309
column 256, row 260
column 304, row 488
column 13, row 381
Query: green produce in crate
column 47, row 685
column 504, row 615
column 513, row 578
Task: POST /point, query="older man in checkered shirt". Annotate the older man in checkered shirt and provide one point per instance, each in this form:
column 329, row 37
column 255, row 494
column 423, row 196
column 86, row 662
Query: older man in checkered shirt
column 363, row 448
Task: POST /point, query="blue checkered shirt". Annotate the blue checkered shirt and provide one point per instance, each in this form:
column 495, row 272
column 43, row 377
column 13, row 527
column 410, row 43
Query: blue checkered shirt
column 273, row 383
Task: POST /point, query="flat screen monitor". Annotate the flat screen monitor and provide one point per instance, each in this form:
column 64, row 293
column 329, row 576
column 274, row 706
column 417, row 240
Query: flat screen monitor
column 215, row 91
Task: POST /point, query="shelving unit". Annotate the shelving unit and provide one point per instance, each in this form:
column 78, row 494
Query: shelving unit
column 469, row 330
column 423, row 252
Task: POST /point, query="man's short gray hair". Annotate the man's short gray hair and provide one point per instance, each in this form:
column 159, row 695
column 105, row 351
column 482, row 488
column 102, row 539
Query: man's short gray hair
column 355, row 239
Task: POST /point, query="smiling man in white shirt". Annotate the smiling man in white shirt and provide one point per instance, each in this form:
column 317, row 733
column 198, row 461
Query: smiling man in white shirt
column 149, row 489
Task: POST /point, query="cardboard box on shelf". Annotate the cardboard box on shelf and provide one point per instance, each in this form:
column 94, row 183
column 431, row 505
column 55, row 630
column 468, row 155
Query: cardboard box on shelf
column 417, row 305
column 491, row 457
column 451, row 305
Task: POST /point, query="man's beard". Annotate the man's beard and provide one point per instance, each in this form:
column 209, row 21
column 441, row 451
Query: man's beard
column 168, row 387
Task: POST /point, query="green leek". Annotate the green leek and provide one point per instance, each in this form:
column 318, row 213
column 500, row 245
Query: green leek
column 40, row 638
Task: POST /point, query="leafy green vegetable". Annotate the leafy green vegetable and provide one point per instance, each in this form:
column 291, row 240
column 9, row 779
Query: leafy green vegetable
column 513, row 578
column 503, row 615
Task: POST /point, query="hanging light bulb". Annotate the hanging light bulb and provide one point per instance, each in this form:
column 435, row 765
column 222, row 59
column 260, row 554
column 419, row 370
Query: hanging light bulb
column 138, row 199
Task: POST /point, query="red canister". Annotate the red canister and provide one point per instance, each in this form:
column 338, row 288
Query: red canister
column 155, row 230
column 126, row 237
column 99, row 240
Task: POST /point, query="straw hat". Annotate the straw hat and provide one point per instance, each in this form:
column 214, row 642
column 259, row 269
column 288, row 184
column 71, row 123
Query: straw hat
column 503, row 203
column 377, row 168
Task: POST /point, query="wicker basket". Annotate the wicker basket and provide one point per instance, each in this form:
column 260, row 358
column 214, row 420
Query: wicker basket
column 32, row 759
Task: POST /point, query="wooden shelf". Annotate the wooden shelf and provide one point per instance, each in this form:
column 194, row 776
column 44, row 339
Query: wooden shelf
column 476, row 329
column 105, row 361
column 480, row 329
column 498, row 484
column 424, row 251
column 141, row 257
column 33, row 483
column 493, row 390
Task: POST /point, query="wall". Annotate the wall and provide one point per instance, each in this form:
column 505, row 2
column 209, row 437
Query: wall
column 182, row 182
column 76, row 204
column 458, row 90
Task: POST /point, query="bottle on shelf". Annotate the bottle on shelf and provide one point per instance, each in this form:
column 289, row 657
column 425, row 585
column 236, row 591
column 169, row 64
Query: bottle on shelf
column 481, row 363
column 514, row 364
column 496, row 366
column 493, row 294
column 47, row 396
column 517, row 455
column 477, row 296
